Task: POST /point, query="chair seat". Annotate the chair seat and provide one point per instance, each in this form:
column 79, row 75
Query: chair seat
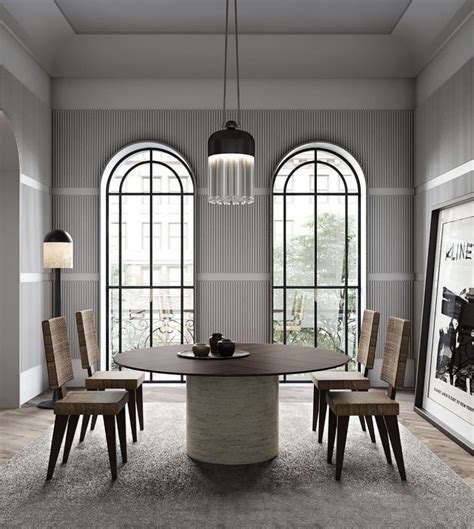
column 91, row 403
column 115, row 380
column 361, row 403
column 325, row 380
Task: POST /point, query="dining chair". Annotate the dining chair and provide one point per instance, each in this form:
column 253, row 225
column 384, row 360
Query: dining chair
column 72, row 405
column 324, row 381
column 384, row 408
column 132, row 381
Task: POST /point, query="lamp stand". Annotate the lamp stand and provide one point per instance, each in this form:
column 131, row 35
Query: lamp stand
column 49, row 404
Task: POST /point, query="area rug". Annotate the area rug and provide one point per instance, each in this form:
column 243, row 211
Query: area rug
column 161, row 487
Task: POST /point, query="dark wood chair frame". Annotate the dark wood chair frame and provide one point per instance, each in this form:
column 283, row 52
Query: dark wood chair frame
column 90, row 356
column 319, row 396
column 58, row 377
column 387, row 424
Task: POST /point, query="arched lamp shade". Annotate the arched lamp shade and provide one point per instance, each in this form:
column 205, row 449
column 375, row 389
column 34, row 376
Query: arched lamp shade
column 58, row 250
column 231, row 154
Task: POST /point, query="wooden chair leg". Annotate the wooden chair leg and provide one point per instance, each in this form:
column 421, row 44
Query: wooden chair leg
column 109, row 424
column 370, row 427
column 342, row 425
column 331, row 434
column 132, row 412
column 315, row 407
column 94, row 420
column 122, row 434
column 71, row 430
column 362, row 423
column 394, row 433
column 384, row 437
column 58, row 434
column 85, row 423
column 322, row 414
column 140, row 406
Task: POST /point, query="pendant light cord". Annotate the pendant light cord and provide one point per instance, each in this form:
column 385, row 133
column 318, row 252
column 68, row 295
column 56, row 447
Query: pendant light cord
column 237, row 62
column 225, row 62
column 224, row 110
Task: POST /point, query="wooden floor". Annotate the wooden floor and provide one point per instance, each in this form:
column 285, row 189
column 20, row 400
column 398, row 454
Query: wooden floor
column 21, row 426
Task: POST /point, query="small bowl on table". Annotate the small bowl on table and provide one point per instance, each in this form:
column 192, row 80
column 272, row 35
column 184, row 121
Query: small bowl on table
column 201, row 350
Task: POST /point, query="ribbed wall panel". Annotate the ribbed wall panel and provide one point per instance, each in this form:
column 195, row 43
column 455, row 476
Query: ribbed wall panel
column 238, row 309
column 444, row 126
column 35, row 306
column 79, row 215
column 234, row 239
column 237, row 240
column 444, row 140
column 78, row 295
column 382, row 140
column 390, row 298
column 390, row 234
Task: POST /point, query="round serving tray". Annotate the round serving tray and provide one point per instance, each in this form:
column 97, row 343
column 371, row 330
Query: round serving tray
column 189, row 354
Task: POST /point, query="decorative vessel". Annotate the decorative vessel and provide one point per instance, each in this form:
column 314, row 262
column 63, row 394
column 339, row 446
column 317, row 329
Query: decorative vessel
column 201, row 349
column 225, row 347
column 213, row 339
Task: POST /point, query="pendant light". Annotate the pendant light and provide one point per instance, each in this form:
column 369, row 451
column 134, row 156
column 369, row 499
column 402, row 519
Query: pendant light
column 231, row 150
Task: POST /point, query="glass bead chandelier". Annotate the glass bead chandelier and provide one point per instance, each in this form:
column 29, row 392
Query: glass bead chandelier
column 231, row 150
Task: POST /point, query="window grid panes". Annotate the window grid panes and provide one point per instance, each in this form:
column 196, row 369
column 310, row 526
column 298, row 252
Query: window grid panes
column 316, row 253
column 149, row 257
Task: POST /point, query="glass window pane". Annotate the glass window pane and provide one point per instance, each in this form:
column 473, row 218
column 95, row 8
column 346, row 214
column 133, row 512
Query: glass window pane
column 331, row 242
column 188, row 257
column 300, row 241
column 302, row 179
column 135, row 239
column 135, row 318
column 353, row 220
column 289, row 166
column 342, row 166
column 125, row 166
column 113, row 240
column 330, row 318
column 278, row 240
column 167, row 317
column 300, row 317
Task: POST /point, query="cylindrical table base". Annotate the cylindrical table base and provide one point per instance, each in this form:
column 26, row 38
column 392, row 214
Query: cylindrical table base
column 232, row 420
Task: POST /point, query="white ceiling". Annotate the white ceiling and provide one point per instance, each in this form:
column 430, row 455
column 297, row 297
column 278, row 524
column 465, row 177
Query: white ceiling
column 280, row 38
column 207, row 16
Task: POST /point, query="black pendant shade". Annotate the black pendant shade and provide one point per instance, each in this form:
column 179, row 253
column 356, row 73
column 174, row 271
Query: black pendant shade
column 231, row 140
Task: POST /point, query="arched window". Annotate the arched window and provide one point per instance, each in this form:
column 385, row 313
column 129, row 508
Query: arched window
column 147, row 243
column 318, row 248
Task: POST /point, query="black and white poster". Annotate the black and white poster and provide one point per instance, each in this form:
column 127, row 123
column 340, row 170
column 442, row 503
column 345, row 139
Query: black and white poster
column 449, row 372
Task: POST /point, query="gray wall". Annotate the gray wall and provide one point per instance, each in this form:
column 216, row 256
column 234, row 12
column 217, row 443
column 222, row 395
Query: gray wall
column 30, row 119
column 444, row 141
column 235, row 242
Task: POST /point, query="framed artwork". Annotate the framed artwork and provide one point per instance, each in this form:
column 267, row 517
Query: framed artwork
column 445, row 375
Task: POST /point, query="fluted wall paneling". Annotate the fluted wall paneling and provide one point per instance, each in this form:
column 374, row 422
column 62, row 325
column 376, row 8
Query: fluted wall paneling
column 237, row 241
column 239, row 309
column 79, row 216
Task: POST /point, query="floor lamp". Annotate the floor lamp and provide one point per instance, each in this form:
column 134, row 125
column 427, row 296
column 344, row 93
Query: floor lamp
column 57, row 254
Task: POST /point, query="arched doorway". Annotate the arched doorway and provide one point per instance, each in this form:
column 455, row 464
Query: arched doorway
column 9, row 266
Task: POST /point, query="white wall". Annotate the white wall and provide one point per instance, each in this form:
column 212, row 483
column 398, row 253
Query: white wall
column 256, row 93
column 25, row 100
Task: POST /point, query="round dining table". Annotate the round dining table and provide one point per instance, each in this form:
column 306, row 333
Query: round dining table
column 232, row 404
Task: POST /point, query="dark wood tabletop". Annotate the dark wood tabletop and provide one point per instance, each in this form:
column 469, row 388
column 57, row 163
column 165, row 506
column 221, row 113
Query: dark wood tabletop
column 264, row 360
